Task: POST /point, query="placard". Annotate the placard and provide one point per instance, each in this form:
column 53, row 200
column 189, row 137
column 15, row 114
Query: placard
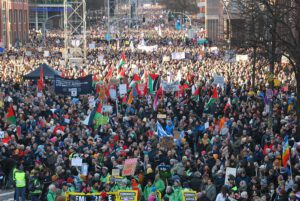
column 219, row 80
column 122, row 89
column 28, row 53
column 166, row 58
column 176, row 135
column 129, row 167
column 230, row 56
column 1, row 134
column 241, row 57
column 178, row 55
column 128, row 195
column 92, row 46
column 189, row 195
column 206, row 125
column 229, row 171
column 76, row 162
column 115, row 172
column 161, row 116
column 46, row 53
column 84, row 169
column 107, row 108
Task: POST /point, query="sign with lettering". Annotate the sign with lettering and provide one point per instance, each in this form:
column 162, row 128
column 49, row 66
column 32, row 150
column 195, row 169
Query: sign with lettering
column 219, row 80
column 128, row 195
column 129, row 167
column 110, row 196
column 170, row 87
column 73, row 87
column 189, row 195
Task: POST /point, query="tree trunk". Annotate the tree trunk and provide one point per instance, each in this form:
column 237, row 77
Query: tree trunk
column 297, row 74
column 253, row 67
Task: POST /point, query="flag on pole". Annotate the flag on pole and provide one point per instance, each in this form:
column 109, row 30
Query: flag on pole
column 285, row 151
column 195, row 95
column 130, row 98
column 95, row 79
column 109, row 74
column 228, row 105
column 153, row 82
column 161, row 132
column 136, row 78
column 122, row 61
column 155, row 102
column 213, row 98
column 10, row 116
column 121, row 73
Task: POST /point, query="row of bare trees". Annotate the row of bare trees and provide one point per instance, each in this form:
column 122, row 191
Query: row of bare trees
column 274, row 27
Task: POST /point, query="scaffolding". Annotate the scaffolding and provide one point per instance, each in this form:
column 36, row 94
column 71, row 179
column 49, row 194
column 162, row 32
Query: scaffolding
column 124, row 11
column 75, row 32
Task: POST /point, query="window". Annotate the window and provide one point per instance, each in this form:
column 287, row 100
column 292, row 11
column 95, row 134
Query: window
column 10, row 16
column 20, row 16
column 15, row 16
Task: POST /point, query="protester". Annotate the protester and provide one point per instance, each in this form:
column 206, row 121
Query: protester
column 213, row 125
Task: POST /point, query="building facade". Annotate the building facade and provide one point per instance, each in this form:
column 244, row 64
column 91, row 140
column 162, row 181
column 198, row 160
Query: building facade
column 14, row 25
column 46, row 11
column 222, row 20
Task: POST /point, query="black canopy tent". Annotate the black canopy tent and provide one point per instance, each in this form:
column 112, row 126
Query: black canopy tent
column 49, row 73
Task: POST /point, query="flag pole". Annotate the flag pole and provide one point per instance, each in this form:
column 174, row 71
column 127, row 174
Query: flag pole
column 117, row 107
column 290, row 163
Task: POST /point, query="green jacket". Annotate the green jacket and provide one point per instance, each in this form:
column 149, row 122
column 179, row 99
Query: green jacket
column 160, row 185
column 104, row 179
column 177, row 194
column 147, row 191
column 51, row 196
column 115, row 188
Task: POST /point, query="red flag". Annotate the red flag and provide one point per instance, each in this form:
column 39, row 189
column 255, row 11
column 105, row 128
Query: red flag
column 109, row 74
column 41, row 80
column 99, row 109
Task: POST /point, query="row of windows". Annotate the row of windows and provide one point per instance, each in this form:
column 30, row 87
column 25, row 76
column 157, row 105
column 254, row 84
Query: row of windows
column 22, row 16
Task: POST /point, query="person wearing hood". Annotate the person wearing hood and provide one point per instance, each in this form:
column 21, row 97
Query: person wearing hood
column 148, row 189
column 52, row 193
column 177, row 190
column 159, row 184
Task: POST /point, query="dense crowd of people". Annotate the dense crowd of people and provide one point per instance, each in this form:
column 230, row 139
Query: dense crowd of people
column 239, row 130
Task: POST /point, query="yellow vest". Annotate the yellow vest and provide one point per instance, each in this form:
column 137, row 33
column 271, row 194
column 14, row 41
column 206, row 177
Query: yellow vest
column 19, row 177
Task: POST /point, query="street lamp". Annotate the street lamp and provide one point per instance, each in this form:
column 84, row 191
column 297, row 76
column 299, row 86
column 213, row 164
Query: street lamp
column 44, row 27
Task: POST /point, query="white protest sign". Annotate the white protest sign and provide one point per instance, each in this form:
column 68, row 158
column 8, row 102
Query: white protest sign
column 229, row 171
column 147, row 48
column 122, row 89
column 46, row 53
column 28, row 53
column 219, row 80
column 84, row 169
column 113, row 93
column 76, row 162
column 166, row 58
column 230, row 56
column 107, row 108
column 1, row 134
column 92, row 46
column 101, row 57
column 178, row 55
column 242, row 57
column 206, row 125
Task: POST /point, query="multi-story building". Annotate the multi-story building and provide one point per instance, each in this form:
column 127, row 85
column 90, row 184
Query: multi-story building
column 46, row 11
column 219, row 14
column 13, row 22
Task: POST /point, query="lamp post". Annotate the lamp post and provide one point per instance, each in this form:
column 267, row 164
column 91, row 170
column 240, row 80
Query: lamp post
column 44, row 27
